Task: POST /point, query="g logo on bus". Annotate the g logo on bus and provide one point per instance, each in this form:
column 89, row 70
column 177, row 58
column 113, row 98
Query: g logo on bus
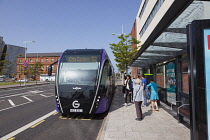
column 75, row 104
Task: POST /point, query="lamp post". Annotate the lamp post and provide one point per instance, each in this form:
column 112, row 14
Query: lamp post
column 25, row 62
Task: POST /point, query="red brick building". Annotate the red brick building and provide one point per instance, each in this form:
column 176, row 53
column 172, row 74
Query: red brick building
column 133, row 34
column 31, row 58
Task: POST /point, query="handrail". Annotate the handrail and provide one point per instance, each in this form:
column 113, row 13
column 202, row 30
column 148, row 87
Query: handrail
column 181, row 106
column 176, row 101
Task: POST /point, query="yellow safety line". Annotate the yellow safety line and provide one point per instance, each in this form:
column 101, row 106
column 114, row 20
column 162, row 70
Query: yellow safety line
column 85, row 119
column 11, row 138
column 79, row 117
column 72, row 116
column 55, row 113
column 37, row 124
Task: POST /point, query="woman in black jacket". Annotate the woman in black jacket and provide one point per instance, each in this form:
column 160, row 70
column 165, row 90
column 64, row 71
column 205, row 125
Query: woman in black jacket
column 128, row 90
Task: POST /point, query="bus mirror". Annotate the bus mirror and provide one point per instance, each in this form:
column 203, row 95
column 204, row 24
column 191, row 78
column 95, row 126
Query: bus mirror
column 49, row 71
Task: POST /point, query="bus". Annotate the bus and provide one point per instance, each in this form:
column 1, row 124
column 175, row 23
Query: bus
column 84, row 81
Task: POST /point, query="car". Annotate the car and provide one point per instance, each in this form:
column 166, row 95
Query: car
column 23, row 80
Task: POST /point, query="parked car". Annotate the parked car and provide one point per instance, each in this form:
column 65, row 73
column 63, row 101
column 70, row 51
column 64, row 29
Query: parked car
column 23, row 80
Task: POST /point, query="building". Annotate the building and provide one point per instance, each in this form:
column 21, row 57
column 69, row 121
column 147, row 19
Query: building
column 45, row 59
column 163, row 26
column 8, row 55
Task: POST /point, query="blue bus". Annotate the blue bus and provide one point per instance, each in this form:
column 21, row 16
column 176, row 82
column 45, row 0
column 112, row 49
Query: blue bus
column 84, row 81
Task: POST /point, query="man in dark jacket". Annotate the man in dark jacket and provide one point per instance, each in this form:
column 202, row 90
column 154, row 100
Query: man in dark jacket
column 128, row 90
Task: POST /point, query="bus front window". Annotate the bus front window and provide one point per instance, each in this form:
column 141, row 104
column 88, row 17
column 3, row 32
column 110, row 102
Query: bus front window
column 78, row 73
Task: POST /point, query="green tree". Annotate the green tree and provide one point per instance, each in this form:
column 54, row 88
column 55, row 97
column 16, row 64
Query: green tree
column 34, row 70
column 4, row 67
column 123, row 51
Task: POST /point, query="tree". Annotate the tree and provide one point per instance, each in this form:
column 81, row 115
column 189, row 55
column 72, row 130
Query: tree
column 35, row 70
column 124, row 52
column 5, row 65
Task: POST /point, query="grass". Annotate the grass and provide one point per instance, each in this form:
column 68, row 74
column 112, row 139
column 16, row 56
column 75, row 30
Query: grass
column 10, row 83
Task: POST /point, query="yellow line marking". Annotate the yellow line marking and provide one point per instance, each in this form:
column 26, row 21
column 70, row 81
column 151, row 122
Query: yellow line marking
column 37, row 124
column 11, row 138
column 72, row 116
column 79, row 117
column 55, row 113
column 85, row 119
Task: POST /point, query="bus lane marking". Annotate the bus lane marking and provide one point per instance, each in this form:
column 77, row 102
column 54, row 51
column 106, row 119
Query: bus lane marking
column 27, row 98
column 37, row 124
column 12, row 103
column 11, row 138
column 14, row 106
column 12, row 134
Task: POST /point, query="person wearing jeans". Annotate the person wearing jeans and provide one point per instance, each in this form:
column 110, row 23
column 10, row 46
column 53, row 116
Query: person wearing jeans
column 128, row 89
column 144, row 83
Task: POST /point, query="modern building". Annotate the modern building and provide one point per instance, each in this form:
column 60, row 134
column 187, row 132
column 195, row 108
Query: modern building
column 162, row 28
column 9, row 53
column 46, row 59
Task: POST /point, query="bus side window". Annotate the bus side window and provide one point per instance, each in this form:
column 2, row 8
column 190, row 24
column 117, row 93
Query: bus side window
column 104, row 78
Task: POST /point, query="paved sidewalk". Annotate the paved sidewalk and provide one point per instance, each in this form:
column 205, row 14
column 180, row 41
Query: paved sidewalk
column 121, row 124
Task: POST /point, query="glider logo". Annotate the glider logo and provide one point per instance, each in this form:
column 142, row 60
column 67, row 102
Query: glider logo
column 75, row 104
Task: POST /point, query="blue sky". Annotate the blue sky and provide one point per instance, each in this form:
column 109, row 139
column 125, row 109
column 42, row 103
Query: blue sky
column 57, row 25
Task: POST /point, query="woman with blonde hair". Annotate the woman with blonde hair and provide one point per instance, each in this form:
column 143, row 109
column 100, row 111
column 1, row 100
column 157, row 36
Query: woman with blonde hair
column 138, row 98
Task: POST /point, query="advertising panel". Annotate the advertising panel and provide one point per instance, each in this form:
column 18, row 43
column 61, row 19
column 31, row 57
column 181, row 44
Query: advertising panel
column 171, row 83
column 207, row 74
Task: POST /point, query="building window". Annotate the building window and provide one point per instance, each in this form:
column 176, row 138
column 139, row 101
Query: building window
column 52, row 67
column 46, row 68
column 151, row 16
column 46, row 59
column 143, row 8
column 31, row 60
column 41, row 60
column 52, row 59
column 20, row 60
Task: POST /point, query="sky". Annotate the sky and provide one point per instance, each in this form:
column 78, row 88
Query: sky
column 57, row 25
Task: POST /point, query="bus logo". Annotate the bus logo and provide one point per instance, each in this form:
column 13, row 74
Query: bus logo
column 76, row 88
column 75, row 104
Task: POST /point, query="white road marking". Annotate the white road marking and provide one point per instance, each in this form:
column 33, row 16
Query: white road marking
column 22, row 94
column 15, row 106
column 43, row 95
column 27, row 126
column 27, row 98
column 11, row 102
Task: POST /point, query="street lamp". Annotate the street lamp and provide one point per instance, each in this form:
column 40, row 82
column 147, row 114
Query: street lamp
column 119, row 34
column 25, row 63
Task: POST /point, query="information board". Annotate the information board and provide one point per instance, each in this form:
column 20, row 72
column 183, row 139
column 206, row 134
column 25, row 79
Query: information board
column 171, row 83
column 207, row 74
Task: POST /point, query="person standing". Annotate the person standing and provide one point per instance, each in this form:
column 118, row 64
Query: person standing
column 128, row 90
column 133, row 81
column 138, row 98
column 154, row 95
column 144, row 83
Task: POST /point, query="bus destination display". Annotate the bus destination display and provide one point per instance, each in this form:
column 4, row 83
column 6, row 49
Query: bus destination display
column 83, row 58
